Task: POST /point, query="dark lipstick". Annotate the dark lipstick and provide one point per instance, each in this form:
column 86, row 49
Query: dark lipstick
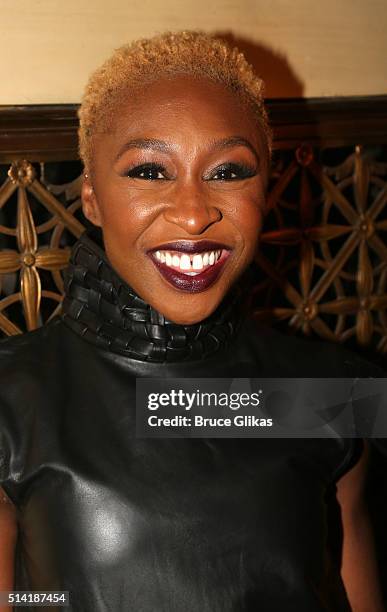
column 201, row 280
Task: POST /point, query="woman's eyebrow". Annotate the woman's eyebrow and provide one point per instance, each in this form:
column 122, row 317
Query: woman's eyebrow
column 234, row 141
column 165, row 147
column 145, row 143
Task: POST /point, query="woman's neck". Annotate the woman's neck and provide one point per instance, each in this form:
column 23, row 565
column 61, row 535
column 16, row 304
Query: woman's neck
column 100, row 306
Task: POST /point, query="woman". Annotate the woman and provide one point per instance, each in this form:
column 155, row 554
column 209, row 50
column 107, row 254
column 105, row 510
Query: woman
column 176, row 147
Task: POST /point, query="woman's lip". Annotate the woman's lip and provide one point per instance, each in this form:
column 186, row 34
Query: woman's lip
column 192, row 284
column 191, row 246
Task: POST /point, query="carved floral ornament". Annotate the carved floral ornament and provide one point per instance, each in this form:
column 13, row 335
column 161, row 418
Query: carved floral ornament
column 341, row 264
column 30, row 257
column 322, row 256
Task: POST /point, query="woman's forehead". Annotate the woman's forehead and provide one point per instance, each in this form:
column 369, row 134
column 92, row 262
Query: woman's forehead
column 183, row 104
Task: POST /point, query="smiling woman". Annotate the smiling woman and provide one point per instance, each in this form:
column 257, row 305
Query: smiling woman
column 176, row 147
column 178, row 173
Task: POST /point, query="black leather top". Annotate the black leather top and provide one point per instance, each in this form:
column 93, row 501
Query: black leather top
column 166, row 525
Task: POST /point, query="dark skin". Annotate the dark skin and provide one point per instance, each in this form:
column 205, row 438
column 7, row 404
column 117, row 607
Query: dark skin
column 196, row 193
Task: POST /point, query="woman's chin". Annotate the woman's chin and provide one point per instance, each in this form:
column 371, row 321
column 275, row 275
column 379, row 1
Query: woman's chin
column 185, row 320
column 189, row 312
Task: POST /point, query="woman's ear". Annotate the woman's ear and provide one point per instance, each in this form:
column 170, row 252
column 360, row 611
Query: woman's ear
column 89, row 202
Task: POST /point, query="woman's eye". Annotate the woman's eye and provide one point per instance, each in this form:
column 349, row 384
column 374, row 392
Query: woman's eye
column 147, row 172
column 232, row 172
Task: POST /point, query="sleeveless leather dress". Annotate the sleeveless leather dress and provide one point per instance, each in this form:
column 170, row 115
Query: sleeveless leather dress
column 162, row 525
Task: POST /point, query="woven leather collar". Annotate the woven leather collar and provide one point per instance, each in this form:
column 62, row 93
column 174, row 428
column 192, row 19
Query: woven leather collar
column 103, row 308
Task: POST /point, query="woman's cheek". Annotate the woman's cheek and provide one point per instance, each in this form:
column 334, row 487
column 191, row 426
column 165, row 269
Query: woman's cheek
column 250, row 221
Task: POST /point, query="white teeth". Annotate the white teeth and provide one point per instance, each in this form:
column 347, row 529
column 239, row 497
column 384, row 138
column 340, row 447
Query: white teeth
column 197, row 262
column 188, row 263
column 185, row 262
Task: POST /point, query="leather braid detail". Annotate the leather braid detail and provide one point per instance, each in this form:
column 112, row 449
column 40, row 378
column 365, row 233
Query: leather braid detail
column 102, row 308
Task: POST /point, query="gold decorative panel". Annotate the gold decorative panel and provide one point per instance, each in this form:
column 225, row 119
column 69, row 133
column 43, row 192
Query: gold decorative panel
column 23, row 264
column 323, row 252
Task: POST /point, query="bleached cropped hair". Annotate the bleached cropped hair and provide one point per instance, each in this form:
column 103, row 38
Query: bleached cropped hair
column 145, row 60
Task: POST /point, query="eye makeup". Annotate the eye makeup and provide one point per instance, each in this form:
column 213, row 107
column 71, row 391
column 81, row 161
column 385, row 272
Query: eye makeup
column 148, row 171
column 230, row 171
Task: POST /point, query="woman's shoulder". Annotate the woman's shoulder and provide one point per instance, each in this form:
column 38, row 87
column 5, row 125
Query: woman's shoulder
column 284, row 355
column 29, row 368
column 27, row 347
column 27, row 363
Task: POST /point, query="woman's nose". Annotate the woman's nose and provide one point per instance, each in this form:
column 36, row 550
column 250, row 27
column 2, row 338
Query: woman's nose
column 192, row 211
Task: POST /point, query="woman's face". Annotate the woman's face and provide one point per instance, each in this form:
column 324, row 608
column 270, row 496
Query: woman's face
column 178, row 189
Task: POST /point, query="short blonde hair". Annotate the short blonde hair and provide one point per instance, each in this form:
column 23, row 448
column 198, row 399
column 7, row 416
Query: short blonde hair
column 145, row 60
